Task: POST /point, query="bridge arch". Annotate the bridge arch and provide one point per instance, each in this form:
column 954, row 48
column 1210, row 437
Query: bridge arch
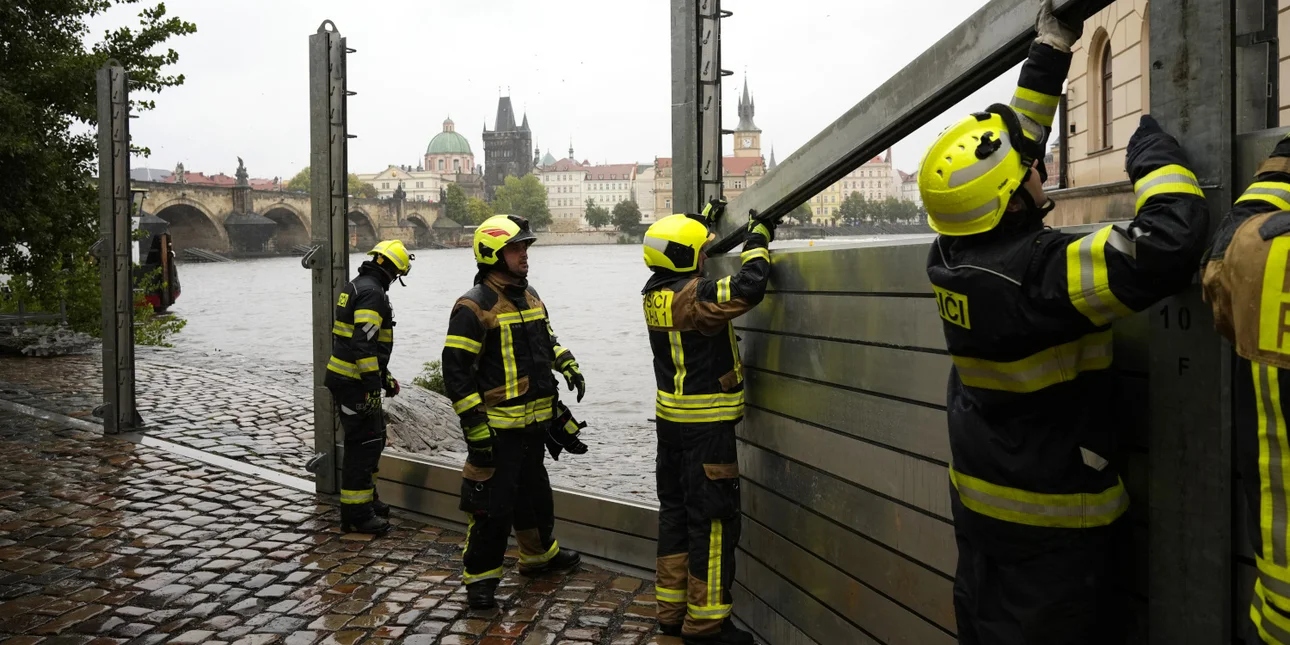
column 362, row 230
column 421, row 227
column 292, row 228
column 192, row 225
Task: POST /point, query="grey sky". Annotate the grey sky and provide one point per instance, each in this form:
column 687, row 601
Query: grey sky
column 592, row 70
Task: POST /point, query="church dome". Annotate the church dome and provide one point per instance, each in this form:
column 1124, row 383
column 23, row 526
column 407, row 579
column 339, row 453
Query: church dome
column 448, row 142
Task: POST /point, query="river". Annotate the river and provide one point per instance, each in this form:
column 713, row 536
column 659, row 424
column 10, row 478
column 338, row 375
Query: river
column 261, row 308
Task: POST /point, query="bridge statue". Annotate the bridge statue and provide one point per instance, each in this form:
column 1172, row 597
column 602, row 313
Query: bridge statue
column 241, row 174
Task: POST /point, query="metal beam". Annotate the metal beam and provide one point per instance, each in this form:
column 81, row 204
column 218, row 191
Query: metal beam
column 328, row 259
column 115, row 257
column 685, row 107
column 987, row 44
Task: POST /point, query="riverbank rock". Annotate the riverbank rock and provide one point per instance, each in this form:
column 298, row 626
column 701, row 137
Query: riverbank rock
column 422, row 422
column 43, row 340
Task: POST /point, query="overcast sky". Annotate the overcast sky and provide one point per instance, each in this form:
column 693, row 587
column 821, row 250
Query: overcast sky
column 594, row 71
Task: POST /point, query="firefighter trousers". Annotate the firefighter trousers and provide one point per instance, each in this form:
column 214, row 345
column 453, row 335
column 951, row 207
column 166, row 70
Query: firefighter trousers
column 698, row 524
column 1263, row 461
column 1028, row 585
column 512, row 492
column 364, row 441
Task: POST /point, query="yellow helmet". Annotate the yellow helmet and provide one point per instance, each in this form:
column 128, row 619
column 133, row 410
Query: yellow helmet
column 395, row 253
column 674, row 242
column 972, row 171
column 497, row 232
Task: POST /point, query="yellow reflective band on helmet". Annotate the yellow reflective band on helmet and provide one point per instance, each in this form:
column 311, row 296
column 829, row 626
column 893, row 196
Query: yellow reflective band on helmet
column 1042, row 369
column 344, row 330
column 1071, row 510
column 386, row 335
column 754, row 254
column 1036, row 105
column 1273, row 627
column 470, row 402
column 964, row 194
column 516, row 317
column 663, row 594
column 344, row 368
column 1087, row 280
column 365, row 316
column 674, row 242
column 699, row 400
column 467, row 578
column 357, row 496
column 1272, row 192
column 520, row 416
column 723, row 290
column 369, row 364
column 1172, row 179
column 541, row 558
column 463, row 343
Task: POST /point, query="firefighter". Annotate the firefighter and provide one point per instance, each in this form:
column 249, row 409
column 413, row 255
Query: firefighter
column 1245, row 282
column 699, row 400
column 1026, row 312
column 498, row 364
column 357, row 373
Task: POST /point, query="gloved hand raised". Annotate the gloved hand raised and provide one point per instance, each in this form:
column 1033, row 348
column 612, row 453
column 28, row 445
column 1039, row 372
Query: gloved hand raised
column 1055, row 33
column 573, row 378
column 713, row 210
column 1150, row 148
column 764, row 229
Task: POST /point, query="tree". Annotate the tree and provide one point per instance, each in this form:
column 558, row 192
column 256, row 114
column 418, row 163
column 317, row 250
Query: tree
column 525, row 197
column 355, row 187
column 855, row 209
column 802, row 214
column 454, row 204
column 48, row 149
column 477, row 210
column 597, row 216
column 627, row 215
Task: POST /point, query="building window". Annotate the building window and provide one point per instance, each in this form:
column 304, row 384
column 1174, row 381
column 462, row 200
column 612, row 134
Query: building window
column 441, row 164
column 420, row 184
column 667, row 203
column 385, row 185
column 456, row 165
column 1108, row 117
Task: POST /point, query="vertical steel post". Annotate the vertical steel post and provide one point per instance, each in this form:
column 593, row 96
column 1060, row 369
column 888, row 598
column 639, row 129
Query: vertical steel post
column 329, row 257
column 1190, row 515
column 115, row 265
column 710, row 74
column 685, row 107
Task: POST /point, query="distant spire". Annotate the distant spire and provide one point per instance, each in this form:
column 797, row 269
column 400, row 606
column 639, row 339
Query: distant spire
column 888, row 159
column 746, row 110
column 772, row 157
column 571, row 147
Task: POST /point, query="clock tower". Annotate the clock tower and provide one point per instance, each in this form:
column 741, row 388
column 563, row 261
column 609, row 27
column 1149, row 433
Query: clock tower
column 747, row 134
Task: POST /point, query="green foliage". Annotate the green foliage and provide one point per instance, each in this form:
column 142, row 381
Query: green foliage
column 627, row 216
column 802, row 214
column 356, row 188
column 855, row 209
column 455, row 204
column 150, row 327
column 597, row 216
column 525, row 197
column 300, row 183
column 431, row 378
column 49, row 213
column 477, row 211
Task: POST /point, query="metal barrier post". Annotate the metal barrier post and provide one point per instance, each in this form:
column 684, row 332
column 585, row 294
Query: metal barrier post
column 329, row 257
column 119, row 414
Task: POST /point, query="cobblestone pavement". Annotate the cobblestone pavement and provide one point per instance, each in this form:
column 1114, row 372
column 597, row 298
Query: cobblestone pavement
column 105, row 541
column 261, row 412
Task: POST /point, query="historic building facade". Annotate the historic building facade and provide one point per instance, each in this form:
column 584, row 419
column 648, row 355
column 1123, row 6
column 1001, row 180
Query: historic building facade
column 508, row 148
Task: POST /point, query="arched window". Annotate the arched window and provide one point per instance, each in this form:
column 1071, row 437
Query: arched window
column 1107, row 90
column 441, row 164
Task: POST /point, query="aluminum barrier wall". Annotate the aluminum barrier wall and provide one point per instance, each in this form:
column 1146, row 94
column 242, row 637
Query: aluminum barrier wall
column 844, row 451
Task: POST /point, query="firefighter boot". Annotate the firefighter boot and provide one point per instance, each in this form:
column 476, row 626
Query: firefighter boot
column 381, row 509
column 361, row 518
column 479, row 595
column 729, row 635
column 564, row 560
column 670, row 629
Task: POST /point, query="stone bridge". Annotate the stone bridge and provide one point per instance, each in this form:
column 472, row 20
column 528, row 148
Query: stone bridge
column 237, row 220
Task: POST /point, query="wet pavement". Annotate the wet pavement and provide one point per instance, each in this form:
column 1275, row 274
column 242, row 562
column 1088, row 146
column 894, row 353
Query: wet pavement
column 261, row 412
column 106, row 541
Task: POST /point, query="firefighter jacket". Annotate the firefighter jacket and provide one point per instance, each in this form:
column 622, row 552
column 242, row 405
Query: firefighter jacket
column 362, row 335
column 498, row 357
column 696, row 355
column 1026, row 314
column 1246, row 284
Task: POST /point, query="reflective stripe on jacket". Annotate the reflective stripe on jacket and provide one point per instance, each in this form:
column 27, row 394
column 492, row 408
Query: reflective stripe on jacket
column 362, row 337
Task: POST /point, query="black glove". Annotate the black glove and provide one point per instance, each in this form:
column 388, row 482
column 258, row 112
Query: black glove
column 372, row 404
column 479, row 444
column 1149, row 138
column 573, row 378
column 563, row 433
column 713, row 210
column 391, row 386
column 762, row 228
